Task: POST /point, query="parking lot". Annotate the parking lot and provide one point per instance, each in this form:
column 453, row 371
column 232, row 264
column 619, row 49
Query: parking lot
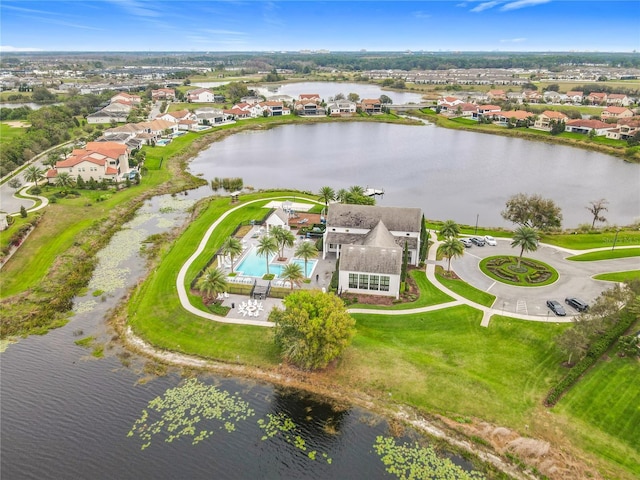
column 575, row 278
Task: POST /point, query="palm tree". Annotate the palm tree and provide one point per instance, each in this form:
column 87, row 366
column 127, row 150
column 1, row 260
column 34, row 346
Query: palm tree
column 341, row 195
column 292, row 272
column 233, row 248
column 356, row 190
column 267, row 246
column 212, row 282
column 51, row 160
column 527, row 239
column 449, row 229
column 283, row 238
column 306, row 250
column 451, row 247
column 64, row 180
column 326, row 195
column 33, row 174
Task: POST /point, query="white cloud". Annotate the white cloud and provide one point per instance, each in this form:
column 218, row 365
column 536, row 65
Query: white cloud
column 513, row 40
column 137, row 8
column 421, row 14
column 485, row 6
column 223, row 32
column 9, row 48
column 522, row 4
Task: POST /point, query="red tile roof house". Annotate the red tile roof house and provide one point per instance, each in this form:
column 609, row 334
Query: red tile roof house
column 586, row 126
column 618, row 99
column 546, row 119
column 274, row 109
column 521, row 117
column 98, row 160
column 371, row 106
column 237, row 113
column 616, row 112
column 626, row 128
column 163, row 94
column 597, row 98
column 485, row 110
column 497, row 95
column 309, row 96
column 449, row 101
column 127, row 98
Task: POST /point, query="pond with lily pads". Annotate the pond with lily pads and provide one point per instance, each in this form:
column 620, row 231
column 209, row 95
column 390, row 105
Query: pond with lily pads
column 75, row 404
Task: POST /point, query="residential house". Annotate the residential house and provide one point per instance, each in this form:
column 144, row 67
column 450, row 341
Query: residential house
column 103, row 116
column 459, row 110
column 616, row 112
column 341, row 108
column 97, row 160
column 274, row 109
column 625, row 129
column 521, row 117
column 119, row 106
column 449, row 101
column 618, row 99
column 372, row 106
column 157, row 128
column 548, row 118
column 176, row 117
column 552, row 97
column 369, row 242
column 596, row 98
column 251, row 99
column 587, row 126
column 237, row 113
column 485, row 110
column 210, row 116
column 202, row 95
column 309, row 107
column 126, row 98
column 496, row 95
column 309, row 96
column 532, row 96
column 163, row 94
column 574, row 96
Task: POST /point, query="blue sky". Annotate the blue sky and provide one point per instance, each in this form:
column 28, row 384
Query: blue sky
column 250, row 25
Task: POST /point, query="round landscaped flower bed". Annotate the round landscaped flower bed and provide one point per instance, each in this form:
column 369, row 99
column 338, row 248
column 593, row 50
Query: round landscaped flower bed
column 532, row 273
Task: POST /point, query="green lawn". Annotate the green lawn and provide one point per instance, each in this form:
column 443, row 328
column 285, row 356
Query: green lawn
column 444, row 361
column 602, row 411
column 467, row 291
column 8, row 133
column 597, row 239
column 619, row 276
column 606, row 255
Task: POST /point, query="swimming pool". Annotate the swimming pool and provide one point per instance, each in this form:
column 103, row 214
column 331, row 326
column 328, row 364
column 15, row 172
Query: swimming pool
column 163, row 142
column 254, row 265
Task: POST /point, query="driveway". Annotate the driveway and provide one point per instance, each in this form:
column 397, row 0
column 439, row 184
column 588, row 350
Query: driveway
column 575, row 278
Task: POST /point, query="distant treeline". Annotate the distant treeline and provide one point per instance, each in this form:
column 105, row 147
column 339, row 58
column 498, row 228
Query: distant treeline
column 353, row 61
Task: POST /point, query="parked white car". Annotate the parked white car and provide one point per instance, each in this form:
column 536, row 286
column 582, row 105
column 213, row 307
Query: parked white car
column 490, row 240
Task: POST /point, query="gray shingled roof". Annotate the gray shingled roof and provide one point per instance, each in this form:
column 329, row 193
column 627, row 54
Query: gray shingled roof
column 367, row 216
column 360, row 258
column 356, row 239
column 379, row 236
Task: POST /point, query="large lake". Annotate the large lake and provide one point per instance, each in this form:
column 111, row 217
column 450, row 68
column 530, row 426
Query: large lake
column 331, row 89
column 450, row 174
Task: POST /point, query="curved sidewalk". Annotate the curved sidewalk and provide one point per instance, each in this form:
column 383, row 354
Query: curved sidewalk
column 180, row 282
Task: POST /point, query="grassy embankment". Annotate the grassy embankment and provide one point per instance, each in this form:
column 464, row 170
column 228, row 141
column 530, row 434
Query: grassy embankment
column 40, row 280
column 606, row 255
column 441, row 361
column 626, row 276
column 617, row 148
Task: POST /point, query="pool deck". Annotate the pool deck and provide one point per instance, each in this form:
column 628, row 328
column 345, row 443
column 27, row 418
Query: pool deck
column 320, row 277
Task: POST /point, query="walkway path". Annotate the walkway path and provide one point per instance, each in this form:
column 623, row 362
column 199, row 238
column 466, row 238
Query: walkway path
column 487, row 312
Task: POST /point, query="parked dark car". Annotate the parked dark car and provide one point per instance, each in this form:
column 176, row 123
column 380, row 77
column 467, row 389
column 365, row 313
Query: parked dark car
column 466, row 242
column 556, row 308
column 576, row 303
column 479, row 241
